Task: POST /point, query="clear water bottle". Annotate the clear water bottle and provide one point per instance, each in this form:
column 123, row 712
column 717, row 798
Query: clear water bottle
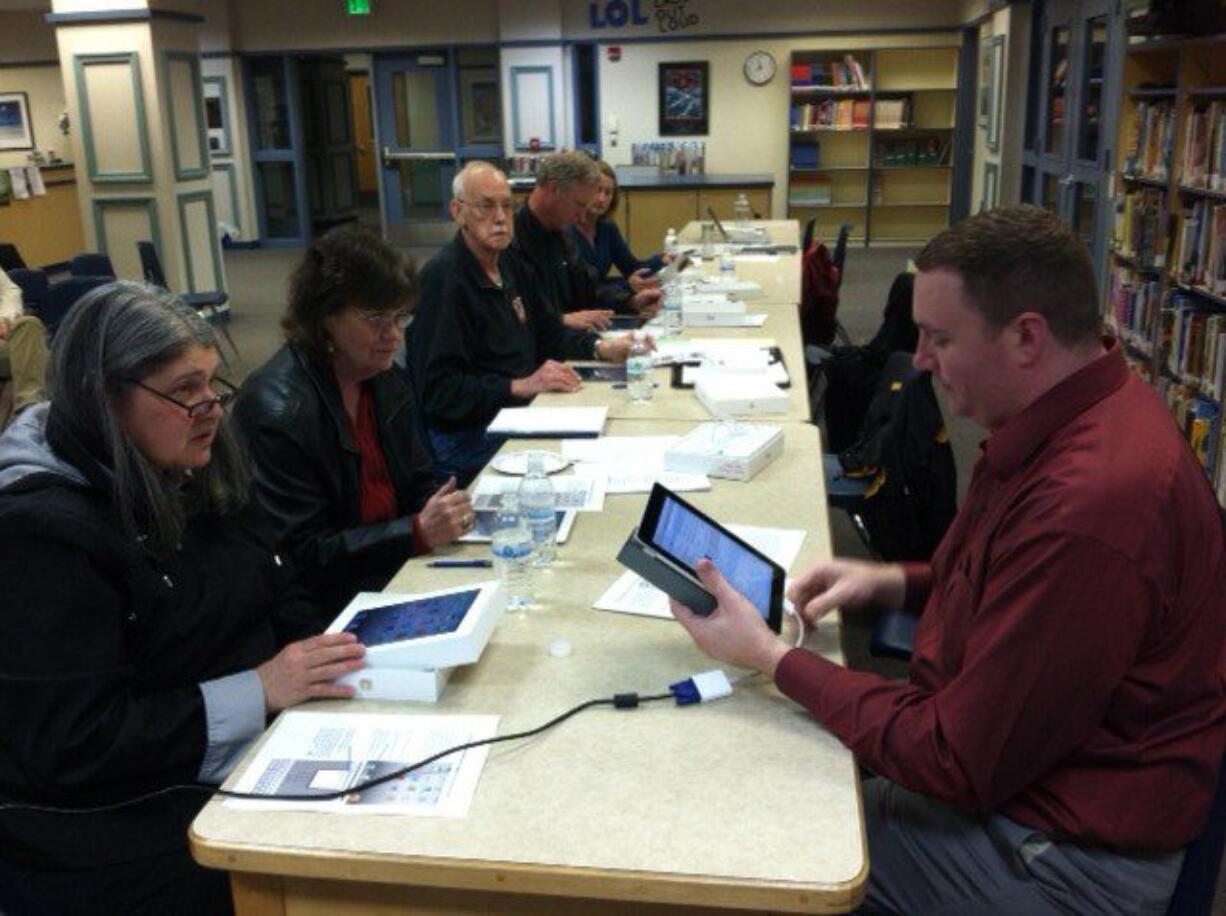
column 670, row 310
column 740, row 207
column 512, row 550
column 536, row 503
column 670, row 242
column 727, row 265
column 638, row 370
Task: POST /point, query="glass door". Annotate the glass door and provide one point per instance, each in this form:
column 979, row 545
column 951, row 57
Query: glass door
column 276, row 149
column 1067, row 158
column 417, row 142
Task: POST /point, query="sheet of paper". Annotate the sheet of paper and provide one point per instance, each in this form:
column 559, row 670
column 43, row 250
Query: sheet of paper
column 758, row 256
column 549, row 422
column 319, row 752
column 20, row 187
column 681, row 350
column 632, row 463
column 582, row 491
column 631, row 594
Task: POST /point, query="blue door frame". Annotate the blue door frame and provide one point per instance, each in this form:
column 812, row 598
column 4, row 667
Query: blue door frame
column 291, row 155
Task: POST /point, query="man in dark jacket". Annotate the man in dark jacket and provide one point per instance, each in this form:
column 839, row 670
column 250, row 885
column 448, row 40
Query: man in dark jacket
column 477, row 345
column 547, row 264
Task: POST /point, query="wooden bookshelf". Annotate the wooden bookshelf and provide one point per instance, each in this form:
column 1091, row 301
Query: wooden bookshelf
column 1166, row 266
column 873, row 148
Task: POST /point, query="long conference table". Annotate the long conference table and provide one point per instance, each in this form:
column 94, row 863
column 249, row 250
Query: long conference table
column 742, row 805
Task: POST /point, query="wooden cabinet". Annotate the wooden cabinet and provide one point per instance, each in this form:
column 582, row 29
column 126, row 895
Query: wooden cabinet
column 46, row 229
column 650, row 214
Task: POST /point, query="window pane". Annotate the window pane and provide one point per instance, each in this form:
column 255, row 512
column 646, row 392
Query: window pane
column 415, row 104
column 1092, row 88
column 1057, row 89
column 280, row 201
column 271, row 106
column 588, row 131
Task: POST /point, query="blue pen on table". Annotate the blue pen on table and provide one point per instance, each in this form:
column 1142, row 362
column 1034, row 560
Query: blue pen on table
column 461, row 564
column 623, row 384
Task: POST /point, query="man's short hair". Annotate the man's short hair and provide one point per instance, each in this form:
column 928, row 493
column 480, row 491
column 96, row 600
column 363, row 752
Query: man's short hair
column 1021, row 259
column 459, row 184
column 567, row 169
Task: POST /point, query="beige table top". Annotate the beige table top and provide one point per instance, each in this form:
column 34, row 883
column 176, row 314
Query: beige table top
column 778, row 275
column 781, row 329
column 745, row 802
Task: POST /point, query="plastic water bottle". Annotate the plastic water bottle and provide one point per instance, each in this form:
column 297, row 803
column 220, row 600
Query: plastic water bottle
column 536, row 502
column 744, row 212
column 727, row 265
column 638, row 370
column 512, row 549
column 672, row 291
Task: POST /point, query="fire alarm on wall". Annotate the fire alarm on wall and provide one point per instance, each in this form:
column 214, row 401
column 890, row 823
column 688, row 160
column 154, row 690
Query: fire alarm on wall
column 615, row 53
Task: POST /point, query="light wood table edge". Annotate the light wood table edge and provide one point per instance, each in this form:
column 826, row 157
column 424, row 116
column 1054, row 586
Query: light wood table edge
column 524, row 878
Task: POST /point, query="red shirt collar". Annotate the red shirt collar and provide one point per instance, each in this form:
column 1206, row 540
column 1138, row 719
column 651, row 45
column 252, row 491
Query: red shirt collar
column 1008, row 448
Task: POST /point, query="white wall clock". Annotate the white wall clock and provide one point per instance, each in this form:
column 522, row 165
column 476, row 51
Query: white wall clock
column 760, row 68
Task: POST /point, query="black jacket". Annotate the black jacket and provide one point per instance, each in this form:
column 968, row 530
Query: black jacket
column 102, row 649
column 307, row 476
column 468, row 340
column 550, row 271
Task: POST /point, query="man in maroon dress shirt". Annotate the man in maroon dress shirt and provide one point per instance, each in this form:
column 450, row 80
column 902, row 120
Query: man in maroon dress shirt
column 1057, row 741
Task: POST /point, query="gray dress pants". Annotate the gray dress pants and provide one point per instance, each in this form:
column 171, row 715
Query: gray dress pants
column 928, row 858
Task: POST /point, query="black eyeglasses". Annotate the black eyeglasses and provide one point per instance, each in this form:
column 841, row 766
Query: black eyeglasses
column 200, row 408
column 486, row 208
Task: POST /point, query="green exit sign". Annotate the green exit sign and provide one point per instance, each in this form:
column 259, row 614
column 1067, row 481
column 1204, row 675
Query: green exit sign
column 357, row 7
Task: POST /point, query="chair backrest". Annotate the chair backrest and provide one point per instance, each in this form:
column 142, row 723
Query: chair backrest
column 819, row 295
column 840, row 249
column 806, row 238
column 10, row 258
column 1202, row 860
column 91, row 264
column 151, row 264
column 64, row 295
column 33, row 283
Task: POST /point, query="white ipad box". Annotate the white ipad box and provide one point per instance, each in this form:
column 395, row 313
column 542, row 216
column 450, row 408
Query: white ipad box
column 735, row 453
column 727, row 394
column 414, row 640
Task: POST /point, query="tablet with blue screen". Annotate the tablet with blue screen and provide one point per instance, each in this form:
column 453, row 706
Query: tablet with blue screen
column 683, row 535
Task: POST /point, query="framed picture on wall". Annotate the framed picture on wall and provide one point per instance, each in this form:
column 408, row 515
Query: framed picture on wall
column 16, row 131
column 685, row 98
column 480, row 107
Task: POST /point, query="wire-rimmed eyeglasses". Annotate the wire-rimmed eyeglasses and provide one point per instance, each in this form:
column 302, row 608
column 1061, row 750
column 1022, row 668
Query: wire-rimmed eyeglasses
column 384, row 320
column 486, row 208
column 200, row 408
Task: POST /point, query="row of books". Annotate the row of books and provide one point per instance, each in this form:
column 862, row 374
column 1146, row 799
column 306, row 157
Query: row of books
column 835, row 74
column 1199, row 419
column 892, row 114
column 1148, row 149
column 832, row 114
column 812, row 191
column 1200, row 254
column 1134, row 302
column 1195, row 335
column 1204, row 150
column 919, row 151
column 1142, row 226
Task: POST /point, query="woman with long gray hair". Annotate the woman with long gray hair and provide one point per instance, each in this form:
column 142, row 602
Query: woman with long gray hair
column 138, row 617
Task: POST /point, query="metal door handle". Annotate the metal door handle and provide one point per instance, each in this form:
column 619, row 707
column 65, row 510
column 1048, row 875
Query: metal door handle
column 390, row 156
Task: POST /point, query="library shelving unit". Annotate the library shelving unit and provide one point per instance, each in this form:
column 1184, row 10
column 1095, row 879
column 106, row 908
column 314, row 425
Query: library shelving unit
column 871, row 141
column 1166, row 296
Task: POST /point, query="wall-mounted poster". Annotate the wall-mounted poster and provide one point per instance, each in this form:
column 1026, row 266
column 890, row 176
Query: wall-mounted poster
column 480, row 106
column 15, row 129
column 685, row 98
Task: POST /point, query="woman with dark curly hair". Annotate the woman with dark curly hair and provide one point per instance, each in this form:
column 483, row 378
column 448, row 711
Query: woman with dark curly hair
column 341, row 469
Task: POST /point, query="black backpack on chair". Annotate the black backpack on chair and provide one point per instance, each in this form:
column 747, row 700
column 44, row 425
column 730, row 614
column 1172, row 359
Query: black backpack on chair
column 904, row 449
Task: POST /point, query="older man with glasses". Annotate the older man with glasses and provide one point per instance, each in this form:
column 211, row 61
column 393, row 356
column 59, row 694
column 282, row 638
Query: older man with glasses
column 477, row 344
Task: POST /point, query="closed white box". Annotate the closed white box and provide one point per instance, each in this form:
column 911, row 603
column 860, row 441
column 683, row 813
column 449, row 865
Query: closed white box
column 738, row 453
column 739, row 394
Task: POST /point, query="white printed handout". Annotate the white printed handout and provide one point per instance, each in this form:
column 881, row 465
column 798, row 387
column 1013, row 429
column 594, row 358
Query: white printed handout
column 319, row 752
column 632, row 463
column 582, row 491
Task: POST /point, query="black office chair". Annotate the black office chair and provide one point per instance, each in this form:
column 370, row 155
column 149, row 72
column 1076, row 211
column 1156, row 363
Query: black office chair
column 91, row 264
column 35, row 294
column 63, row 295
column 10, row 258
column 213, row 306
column 1202, row 860
column 897, row 483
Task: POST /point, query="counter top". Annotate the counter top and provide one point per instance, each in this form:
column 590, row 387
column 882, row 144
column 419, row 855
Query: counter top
column 657, row 181
column 660, row 181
